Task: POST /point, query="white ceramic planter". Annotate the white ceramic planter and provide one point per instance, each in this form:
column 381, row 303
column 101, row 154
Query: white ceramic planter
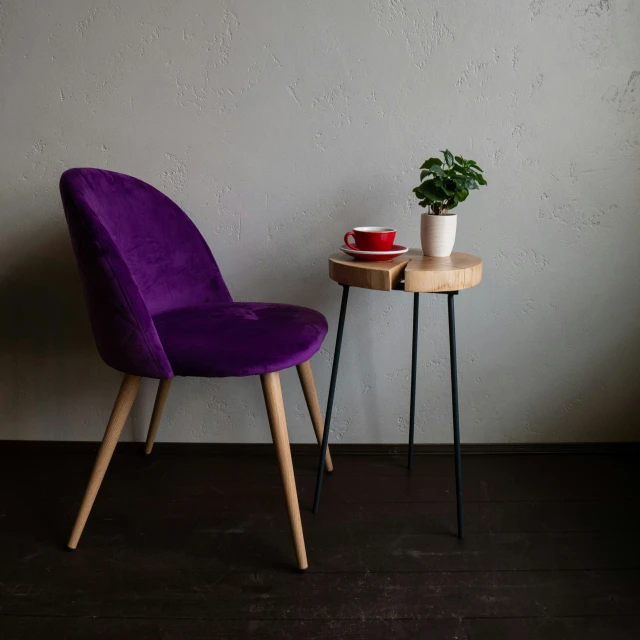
column 438, row 234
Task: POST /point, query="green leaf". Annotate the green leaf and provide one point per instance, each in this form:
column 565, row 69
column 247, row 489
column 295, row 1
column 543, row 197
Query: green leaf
column 474, row 175
column 460, row 160
column 424, row 203
column 448, row 157
column 420, row 193
column 438, row 171
column 433, row 191
column 454, row 174
column 449, row 187
column 428, row 164
column 424, row 174
column 481, row 180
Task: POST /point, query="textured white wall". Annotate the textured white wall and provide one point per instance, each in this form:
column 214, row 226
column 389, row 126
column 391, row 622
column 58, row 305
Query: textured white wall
column 278, row 126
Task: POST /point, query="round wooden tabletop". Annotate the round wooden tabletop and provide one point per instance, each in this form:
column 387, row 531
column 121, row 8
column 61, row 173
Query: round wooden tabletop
column 420, row 273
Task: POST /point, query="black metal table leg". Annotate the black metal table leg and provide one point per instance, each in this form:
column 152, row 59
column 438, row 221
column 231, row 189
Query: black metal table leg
column 414, row 366
column 332, row 389
column 456, row 414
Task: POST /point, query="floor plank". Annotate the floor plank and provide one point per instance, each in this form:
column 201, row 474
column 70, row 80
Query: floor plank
column 186, row 548
column 250, row 515
column 498, row 478
column 120, row 590
column 19, row 628
column 587, row 628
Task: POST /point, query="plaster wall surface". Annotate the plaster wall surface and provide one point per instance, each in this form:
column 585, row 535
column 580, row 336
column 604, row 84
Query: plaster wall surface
column 278, row 126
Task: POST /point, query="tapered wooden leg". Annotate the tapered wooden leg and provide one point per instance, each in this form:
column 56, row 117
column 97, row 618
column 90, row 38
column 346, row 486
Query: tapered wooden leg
column 275, row 410
column 156, row 416
column 119, row 415
column 310, row 395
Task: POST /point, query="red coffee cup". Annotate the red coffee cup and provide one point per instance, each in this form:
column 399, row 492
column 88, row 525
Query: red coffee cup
column 371, row 238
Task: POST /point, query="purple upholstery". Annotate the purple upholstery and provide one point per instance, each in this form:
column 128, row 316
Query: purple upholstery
column 157, row 302
column 239, row 339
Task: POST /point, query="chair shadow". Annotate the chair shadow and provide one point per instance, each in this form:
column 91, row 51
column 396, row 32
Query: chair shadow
column 47, row 349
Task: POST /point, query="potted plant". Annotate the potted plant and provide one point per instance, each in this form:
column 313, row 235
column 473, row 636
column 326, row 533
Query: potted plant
column 444, row 186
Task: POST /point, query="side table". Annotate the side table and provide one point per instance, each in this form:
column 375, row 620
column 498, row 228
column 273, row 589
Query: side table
column 418, row 274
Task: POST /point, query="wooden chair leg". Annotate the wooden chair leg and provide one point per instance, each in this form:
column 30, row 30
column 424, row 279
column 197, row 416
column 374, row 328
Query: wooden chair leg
column 310, row 395
column 275, row 410
column 156, row 416
column 119, row 415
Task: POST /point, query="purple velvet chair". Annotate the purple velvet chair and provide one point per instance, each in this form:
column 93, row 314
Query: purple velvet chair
column 160, row 308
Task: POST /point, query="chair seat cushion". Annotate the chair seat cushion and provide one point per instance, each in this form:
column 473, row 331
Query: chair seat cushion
column 239, row 338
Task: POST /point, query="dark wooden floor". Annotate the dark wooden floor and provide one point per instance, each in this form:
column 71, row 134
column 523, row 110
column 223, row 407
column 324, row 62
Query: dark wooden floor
column 197, row 546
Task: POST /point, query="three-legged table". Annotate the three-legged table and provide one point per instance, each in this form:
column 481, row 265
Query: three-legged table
column 418, row 274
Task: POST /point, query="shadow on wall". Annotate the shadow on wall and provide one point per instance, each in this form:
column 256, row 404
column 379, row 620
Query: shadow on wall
column 54, row 380
column 598, row 401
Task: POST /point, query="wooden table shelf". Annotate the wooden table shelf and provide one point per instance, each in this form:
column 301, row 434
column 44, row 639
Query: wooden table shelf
column 420, row 274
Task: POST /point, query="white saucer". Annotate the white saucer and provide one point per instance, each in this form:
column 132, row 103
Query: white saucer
column 375, row 256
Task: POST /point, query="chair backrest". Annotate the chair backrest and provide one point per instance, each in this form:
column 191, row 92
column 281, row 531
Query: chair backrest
column 139, row 255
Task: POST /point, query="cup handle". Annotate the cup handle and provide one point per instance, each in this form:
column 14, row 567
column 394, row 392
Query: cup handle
column 346, row 240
